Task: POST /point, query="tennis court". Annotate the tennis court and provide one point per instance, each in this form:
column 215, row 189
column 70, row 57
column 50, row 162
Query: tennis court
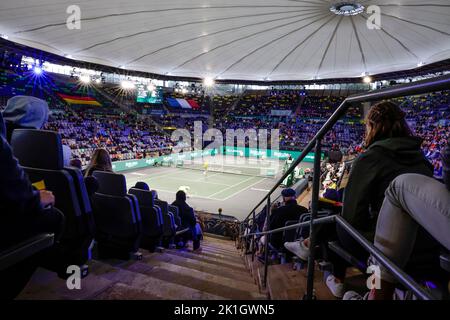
column 236, row 193
column 213, row 185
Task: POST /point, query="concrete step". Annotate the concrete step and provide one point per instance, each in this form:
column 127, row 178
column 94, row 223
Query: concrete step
column 121, row 291
column 200, row 266
column 284, row 283
column 210, row 260
column 205, row 282
column 213, row 254
column 45, row 285
column 149, row 284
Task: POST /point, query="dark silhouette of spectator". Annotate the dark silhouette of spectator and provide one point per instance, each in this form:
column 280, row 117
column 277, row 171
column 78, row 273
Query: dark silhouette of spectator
column 187, row 217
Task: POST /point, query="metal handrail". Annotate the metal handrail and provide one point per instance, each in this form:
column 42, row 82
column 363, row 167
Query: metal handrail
column 399, row 274
column 323, row 220
column 419, row 87
column 423, row 86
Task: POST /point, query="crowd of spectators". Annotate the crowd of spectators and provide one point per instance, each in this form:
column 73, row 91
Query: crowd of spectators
column 125, row 136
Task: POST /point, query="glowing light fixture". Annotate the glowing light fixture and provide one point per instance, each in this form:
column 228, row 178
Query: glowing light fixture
column 367, row 79
column 127, row 85
column 208, row 82
column 37, row 70
column 85, row 79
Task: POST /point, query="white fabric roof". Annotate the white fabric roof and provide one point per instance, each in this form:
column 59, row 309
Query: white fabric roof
column 236, row 39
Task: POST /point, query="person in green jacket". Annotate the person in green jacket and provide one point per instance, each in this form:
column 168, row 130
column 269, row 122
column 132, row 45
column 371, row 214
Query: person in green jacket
column 391, row 150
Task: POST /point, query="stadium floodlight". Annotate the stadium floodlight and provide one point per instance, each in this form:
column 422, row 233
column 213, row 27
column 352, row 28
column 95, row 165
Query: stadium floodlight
column 98, row 80
column 208, row 82
column 367, row 79
column 420, row 64
column 151, row 87
column 4, row 36
column 37, row 70
column 184, row 91
column 85, row 79
column 127, row 85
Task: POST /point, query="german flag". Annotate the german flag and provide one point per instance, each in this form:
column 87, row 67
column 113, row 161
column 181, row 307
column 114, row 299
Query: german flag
column 79, row 100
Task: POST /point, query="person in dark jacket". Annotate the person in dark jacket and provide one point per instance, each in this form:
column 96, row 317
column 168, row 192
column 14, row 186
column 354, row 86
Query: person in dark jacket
column 289, row 211
column 187, row 217
column 24, row 214
column 412, row 202
column 391, row 150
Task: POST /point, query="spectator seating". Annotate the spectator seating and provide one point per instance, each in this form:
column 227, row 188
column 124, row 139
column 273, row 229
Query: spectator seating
column 40, row 154
column 152, row 219
column 117, row 218
column 170, row 226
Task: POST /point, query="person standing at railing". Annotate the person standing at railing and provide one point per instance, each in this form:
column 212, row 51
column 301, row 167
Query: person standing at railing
column 411, row 201
column 391, row 150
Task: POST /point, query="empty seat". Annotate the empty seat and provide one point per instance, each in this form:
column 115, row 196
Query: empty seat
column 152, row 220
column 170, row 226
column 117, row 219
column 174, row 211
column 40, row 154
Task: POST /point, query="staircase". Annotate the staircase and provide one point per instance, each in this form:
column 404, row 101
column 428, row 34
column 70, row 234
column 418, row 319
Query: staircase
column 217, row 272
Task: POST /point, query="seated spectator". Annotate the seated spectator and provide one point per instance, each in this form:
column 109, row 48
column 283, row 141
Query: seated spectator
column 100, row 161
column 76, row 163
column 187, row 217
column 26, row 212
column 24, row 112
column 142, row 186
column 392, row 150
column 288, row 211
column 411, row 201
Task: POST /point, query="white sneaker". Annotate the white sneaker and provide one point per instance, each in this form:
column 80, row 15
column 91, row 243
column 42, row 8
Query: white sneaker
column 352, row 295
column 337, row 289
column 298, row 248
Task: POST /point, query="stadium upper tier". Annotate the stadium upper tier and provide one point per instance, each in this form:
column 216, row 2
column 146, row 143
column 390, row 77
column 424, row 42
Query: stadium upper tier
column 248, row 40
column 126, row 134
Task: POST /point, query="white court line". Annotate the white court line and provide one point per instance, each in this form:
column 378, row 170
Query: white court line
column 232, row 186
column 263, row 190
column 232, row 195
column 190, row 180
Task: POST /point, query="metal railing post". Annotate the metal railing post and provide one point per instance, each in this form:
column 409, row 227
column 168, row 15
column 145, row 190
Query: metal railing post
column 314, row 209
column 266, row 245
column 254, row 237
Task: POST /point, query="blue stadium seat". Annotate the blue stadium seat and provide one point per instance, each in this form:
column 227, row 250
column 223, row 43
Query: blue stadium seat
column 152, row 220
column 40, row 154
column 117, row 218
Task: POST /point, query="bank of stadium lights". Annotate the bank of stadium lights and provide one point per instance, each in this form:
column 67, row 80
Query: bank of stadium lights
column 151, row 87
column 4, row 36
column 208, row 82
column 85, row 79
column 127, row 85
column 37, row 70
column 367, row 79
column 420, row 64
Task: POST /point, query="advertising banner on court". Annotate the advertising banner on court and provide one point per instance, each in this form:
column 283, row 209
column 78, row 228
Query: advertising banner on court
column 236, row 151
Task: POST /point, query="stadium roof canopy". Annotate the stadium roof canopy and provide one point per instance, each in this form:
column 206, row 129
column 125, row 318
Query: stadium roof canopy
column 237, row 39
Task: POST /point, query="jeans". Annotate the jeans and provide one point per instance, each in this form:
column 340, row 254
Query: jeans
column 411, row 201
